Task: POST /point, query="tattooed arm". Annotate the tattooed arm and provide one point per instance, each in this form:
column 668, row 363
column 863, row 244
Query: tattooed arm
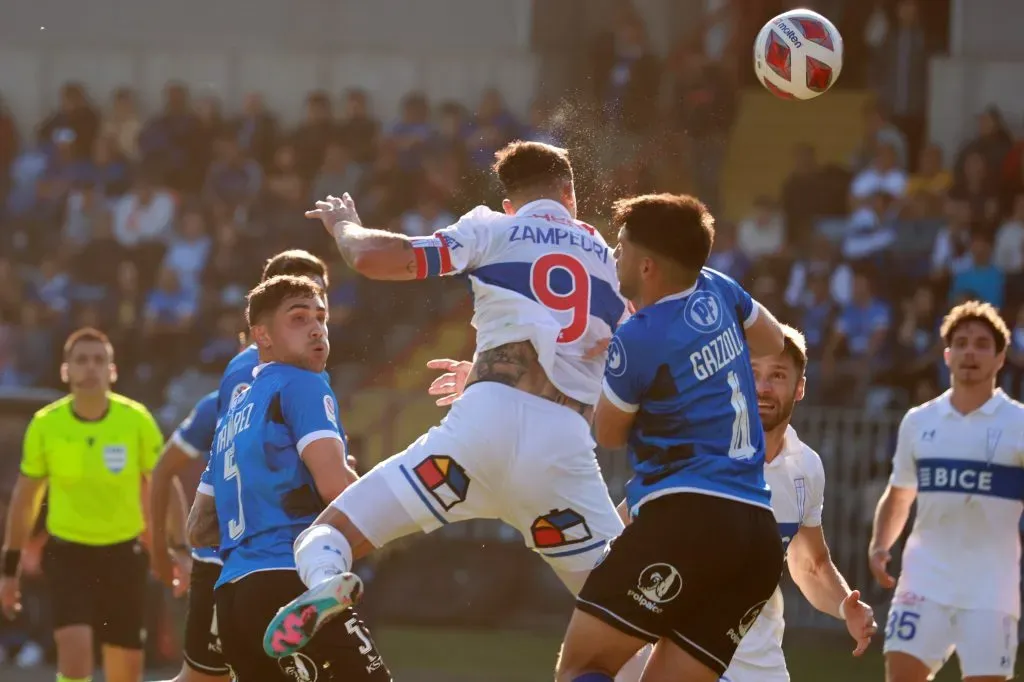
column 376, row 254
column 203, row 529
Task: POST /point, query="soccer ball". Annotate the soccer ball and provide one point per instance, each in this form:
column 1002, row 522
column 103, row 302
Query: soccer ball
column 798, row 55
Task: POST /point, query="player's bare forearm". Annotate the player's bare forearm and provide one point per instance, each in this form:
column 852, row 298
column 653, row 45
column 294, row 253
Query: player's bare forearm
column 813, row 571
column 203, row 529
column 22, row 511
column 375, row 254
column 162, row 487
column 891, row 516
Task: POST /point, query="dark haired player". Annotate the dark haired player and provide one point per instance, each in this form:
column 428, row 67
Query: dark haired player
column 278, row 456
column 203, row 660
column 961, row 457
column 94, row 450
column 702, row 554
column 517, row 444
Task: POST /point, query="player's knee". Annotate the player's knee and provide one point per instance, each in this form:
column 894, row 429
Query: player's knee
column 320, row 552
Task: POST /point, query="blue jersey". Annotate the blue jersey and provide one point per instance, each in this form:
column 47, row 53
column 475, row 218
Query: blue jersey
column 195, row 437
column 265, row 496
column 682, row 365
column 237, row 377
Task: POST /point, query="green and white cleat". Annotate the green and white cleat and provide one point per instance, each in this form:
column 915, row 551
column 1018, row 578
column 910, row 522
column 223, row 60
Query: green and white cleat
column 300, row 619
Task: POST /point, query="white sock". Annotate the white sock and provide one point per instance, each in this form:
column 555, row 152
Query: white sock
column 321, row 552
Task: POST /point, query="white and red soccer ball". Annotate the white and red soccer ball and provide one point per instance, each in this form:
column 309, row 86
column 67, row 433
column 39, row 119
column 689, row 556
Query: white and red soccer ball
column 798, row 55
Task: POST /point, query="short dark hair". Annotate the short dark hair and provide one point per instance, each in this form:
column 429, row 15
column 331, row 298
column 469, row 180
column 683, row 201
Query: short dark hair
column 795, row 346
column 524, row 166
column 296, row 262
column 677, row 226
column 87, row 334
column 976, row 311
column 268, row 295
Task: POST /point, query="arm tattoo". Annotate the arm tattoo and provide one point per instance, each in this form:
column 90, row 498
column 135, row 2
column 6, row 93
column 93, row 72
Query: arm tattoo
column 353, row 240
column 203, row 528
column 506, row 364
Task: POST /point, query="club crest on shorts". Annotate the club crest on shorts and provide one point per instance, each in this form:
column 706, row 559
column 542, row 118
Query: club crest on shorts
column 331, row 410
column 558, row 528
column 115, row 457
column 746, row 623
column 444, row 479
column 299, row 667
column 658, row 584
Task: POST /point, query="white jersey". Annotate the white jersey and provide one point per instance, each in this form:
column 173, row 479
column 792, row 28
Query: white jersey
column 797, row 480
column 537, row 276
column 968, row 470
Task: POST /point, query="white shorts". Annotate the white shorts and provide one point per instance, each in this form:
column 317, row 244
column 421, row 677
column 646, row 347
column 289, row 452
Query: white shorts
column 985, row 641
column 503, row 454
column 742, row 672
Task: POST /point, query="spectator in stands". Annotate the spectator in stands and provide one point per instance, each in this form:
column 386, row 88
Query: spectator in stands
column 453, row 134
column 51, row 288
column 94, row 265
column 384, row 190
column 993, row 142
column 427, row 217
column 10, row 290
column 8, row 349
column 310, row 139
column 879, row 131
column 145, row 214
column 168, row 141
column 109, row 172
column 1013, row 380
column 978, row 186
column 727, row 256
column 222, row 344
column 871, row 230
column 625, row 74
column 981, row 279
column 928, row 186
column 284, row 189
column 84, row 204
column 951, row 252
column 189, row 248
column 855, row 355
column 8, row 147
column 884, row 174
column 763, row 233
column 231, row 267
column 540, row 126
column 901, row 75
column 211, row 132
column 64, row 169
column 256, row 129
column 821, row 259
column 703, row 108
column 167, row 322
column 412, row 132
column 76, row 114
column 123, row 124
column 358, row 130
column 34, row 347
column 918, row 345
column 339, row 173
column 1009, row 246
column 233, row 181
column 815, row 314
column 492, row 128
column 802, row 195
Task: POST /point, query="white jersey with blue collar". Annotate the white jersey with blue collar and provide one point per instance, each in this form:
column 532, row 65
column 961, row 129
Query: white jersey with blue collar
column 538, row 276
column 797, row 480
column 968, row 471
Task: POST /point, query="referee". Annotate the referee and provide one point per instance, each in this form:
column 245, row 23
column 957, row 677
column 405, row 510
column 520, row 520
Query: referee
column 95, row 449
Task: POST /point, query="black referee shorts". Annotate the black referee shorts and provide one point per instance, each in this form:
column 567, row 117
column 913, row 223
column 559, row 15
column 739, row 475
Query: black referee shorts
column 100, row 586
column 694, row 569
column 342, row 650
column 202, row 640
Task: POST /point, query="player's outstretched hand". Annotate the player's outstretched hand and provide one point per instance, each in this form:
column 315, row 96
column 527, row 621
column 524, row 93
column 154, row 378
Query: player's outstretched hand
column 182, row 573
column 334, row 210
column 162, row 567
column 878, row 560
column 860, row 621
column 452, row 383
column 10, row 597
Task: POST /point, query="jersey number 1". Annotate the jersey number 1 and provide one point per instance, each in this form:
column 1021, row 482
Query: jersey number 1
column 576, row 301
column 740, row 447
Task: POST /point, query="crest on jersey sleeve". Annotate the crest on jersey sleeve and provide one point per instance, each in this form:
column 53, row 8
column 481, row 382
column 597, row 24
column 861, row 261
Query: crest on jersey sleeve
column 704, row 312
column 444, row 479
column 616, row 364
column 558, row 528
column 331, row 410
column 115, row 457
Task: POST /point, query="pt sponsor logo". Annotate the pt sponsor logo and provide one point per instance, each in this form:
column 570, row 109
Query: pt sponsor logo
column 658, row 584
column 299, row 667
column 736, row 634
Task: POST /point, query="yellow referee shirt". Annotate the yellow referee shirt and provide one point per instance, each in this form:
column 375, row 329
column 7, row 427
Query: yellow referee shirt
column 94, row 468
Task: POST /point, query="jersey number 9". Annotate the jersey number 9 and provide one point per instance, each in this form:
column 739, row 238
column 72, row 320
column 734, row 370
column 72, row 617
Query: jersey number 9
column 576, row 300
column 235, row 526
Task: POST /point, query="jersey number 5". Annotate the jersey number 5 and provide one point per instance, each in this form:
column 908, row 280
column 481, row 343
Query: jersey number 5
column 575, row 301
column 235, row 526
